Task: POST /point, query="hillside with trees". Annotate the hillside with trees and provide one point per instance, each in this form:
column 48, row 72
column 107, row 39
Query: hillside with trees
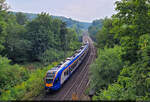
column 69, row 22
column 94, row 28
column 122, row 68
column 28, row 48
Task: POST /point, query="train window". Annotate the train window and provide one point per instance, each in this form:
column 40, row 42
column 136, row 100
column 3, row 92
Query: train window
column 83, row 54
column 49, row 80
column 50, row 75
column 70, row 69
column 73, row 66
column 66, row 72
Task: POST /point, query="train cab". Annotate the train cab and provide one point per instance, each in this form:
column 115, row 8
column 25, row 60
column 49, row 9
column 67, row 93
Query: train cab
column 56, row 76
column 52, row 80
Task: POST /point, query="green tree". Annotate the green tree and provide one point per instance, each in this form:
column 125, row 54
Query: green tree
column 72, row 40
column 63, row 37
column 21, row 18
column 40, row 34
column 56, row 29
column 3, row 24
column 2, row 34
column 106, row 68
column 10, row 75
column 94, row 28
column 105, row 37
column 16, row 47
column 132, row 20
column 131, row 27
column 144, row 52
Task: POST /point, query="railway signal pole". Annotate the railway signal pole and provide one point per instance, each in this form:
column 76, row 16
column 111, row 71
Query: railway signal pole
column 91, row 93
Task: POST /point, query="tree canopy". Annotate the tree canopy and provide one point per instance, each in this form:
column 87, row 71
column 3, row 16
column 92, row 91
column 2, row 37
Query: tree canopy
column 27, row 48
column 129, row 29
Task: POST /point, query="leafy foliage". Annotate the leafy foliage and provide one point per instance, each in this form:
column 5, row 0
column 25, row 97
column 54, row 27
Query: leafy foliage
column 40, row 41
column 130, row 27
column 134, row 19
column 30, row 41
column 105, row 37
column 11, row 75
column 51, row 55
column 70, row 23
column 29, row 88
column 132, row 84
column 94, row 28
column 21, row 18
column 2, row 34
column 106, row 68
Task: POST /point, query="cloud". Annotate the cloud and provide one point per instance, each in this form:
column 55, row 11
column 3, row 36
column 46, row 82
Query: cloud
column 91, row 9
column 83, row 10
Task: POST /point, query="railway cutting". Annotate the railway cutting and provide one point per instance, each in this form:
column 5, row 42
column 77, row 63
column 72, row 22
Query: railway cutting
column 76, row 84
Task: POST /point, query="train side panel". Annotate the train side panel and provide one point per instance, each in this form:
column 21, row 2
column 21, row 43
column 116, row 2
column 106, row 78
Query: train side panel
column 73, row 66
column 67, row 70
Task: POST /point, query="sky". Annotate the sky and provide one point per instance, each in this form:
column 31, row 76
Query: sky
column 81, row 10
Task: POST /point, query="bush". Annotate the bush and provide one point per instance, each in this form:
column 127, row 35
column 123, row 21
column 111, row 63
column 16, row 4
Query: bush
column 106, row 68
column 134, row 81
column 132, row 84
column 28, row 89
column 10, row 75
column 51, row 55
column 114, row 91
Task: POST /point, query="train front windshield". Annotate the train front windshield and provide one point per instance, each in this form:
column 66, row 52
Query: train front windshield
column 49, row 77
column 49, row 80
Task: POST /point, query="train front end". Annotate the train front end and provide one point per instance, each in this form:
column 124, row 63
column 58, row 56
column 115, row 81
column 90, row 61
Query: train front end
column 52, row 82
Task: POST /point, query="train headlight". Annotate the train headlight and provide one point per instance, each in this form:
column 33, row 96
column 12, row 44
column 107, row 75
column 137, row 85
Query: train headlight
column 49, row 85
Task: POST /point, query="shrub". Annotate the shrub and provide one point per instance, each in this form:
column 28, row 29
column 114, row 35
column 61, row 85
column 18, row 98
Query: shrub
column 28, row 89
column 132, row 84
column 10, row 75
column 106, row 68
column 51, row 55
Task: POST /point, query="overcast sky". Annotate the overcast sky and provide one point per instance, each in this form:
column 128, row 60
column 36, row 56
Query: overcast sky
column 82, row 10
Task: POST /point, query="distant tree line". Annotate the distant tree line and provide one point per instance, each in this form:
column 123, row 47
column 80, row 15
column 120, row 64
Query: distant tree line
column 94, row 28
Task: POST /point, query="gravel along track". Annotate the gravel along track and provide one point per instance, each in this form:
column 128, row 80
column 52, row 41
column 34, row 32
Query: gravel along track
column 74, row 88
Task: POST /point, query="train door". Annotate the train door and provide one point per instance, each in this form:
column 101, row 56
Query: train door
column 70, row 70
column 73, row 67
column 64, row 76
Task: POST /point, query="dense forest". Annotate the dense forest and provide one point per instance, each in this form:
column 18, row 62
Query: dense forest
column 28, row 48
column 94, row 28
column 122, row 68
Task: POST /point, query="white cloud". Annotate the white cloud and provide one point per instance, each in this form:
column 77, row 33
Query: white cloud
column 91, row 9
column 84, row 10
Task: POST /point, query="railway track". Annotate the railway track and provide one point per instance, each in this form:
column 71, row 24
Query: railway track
column 77, row 82
column 78, row 86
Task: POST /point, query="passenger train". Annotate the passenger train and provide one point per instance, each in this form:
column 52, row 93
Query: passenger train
column 56, row 76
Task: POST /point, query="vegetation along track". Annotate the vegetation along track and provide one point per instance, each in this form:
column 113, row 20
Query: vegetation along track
column 77, row 83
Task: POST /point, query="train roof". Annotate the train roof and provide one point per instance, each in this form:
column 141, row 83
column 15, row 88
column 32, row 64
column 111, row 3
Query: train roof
column 66, row 62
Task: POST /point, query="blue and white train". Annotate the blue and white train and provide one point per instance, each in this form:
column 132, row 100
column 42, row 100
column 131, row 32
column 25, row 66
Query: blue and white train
column 56, row 76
